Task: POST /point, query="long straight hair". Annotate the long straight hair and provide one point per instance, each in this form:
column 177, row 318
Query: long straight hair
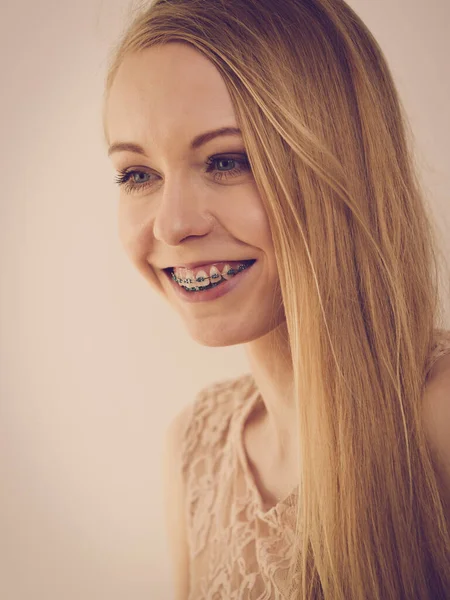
column 331, row 151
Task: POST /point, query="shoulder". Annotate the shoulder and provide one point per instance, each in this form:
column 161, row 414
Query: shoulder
column 205, row 421
column 436, row 404
column 204, row 432
column 436, row 416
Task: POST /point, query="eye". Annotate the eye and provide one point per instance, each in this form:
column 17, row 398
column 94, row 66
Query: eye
column 124, row 177
column 134, row 180
column 228, row 160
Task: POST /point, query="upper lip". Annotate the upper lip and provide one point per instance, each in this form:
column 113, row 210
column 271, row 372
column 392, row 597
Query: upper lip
column 196, row 265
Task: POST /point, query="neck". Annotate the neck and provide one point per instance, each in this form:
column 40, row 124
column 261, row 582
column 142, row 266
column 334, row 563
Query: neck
column 271, row 366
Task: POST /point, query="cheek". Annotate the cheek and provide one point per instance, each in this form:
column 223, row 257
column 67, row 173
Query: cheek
column 254, row 226
column 127, row 236
column 134, row 230
column 124, row 224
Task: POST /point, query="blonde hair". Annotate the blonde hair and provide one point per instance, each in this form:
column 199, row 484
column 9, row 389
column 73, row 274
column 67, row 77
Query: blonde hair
column 331, row 151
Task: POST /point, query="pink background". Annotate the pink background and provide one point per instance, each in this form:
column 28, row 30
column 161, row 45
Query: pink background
column 93, row 365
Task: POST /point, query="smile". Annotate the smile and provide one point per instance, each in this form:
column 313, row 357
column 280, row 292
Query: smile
column 217, row 284
column 202, row 281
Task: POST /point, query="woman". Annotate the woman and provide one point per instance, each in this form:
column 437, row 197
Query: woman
column 268, row 192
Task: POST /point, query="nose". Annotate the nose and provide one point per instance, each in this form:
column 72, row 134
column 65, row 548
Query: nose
column 181, row 213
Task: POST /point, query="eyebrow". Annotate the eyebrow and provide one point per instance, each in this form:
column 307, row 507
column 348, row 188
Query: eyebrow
column 198, row 141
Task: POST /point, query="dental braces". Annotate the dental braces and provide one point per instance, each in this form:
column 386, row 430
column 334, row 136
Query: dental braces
column 200, row 279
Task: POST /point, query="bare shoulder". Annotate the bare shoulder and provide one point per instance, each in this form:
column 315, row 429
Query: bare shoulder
column 436, row 416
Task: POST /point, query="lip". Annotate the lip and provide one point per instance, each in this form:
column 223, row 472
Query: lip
column 213, row 293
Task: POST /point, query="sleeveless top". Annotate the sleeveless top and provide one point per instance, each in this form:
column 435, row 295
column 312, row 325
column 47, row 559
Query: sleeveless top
column 238, row 549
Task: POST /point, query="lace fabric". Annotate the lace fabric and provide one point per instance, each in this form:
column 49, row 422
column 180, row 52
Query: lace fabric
column 238, row 549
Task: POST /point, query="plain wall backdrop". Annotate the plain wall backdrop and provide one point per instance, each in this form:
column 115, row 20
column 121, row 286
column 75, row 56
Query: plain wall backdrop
column 93, row 365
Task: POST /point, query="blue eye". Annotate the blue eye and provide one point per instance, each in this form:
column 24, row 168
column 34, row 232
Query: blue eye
column 212, row 160
column 124, row 177
column 132, row 180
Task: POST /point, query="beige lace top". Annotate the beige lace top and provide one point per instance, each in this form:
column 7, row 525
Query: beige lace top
column 238, row 549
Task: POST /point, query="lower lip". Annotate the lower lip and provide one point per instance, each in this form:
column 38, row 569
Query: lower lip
column 213, row 293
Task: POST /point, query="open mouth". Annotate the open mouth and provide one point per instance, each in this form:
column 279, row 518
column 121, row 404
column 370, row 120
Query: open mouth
column 216, row 277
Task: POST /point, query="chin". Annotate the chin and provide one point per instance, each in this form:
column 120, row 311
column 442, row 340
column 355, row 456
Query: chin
column 222, row 337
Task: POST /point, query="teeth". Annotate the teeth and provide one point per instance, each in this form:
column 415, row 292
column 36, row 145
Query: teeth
column 225, row 272
column 201, row 275
column 193, row 281
column 214, row 274
column 189, row 275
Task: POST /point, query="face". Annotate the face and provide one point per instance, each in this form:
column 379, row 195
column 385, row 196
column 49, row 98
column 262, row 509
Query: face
column 181, row 203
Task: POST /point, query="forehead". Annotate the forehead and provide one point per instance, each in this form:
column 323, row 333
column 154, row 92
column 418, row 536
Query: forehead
column 164, row 93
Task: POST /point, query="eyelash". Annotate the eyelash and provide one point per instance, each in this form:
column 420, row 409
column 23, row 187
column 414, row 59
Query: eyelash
column 123, row 177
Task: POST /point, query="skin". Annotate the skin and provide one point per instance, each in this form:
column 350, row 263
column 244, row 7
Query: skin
column 161, row 99
column 436, row 417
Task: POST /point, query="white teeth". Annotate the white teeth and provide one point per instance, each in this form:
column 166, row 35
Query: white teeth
column 225, row 272
column 189, row 278
column 189, row 274
column 214, row 271
column 205, row 282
